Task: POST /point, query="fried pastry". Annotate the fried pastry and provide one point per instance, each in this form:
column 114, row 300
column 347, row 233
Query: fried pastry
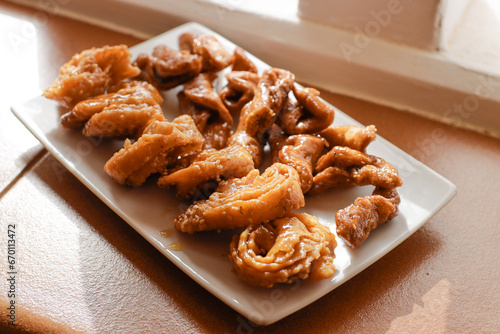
column 201, row 92
column 200, row 116
column 167, row 68
column 90, row 73
column 330, row 177
column 379, row 173
column 345, row 167
column 202, row 103
column 350, row 167
column 241, row 62
column 122, row 121
column 186, row 41
column 343, row 157
column 239, row 202
column 253, row 145
column 123, row 114
column 269, row 99
column 296, row 246
column 352, row 136
column 308, row 114
column 298, row 151
column 186, row 126
column 209, row 165
column 240, row 90
column 259, row 115
column 212, row 54
column 217, row 134
column 355, row 222
column 133, row 94
column 241, row 82
column 215, row 131
column 160, row 142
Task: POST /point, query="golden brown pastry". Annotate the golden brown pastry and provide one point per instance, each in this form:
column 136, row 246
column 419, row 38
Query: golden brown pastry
column 186, row 41
column 122, row 121
column 253, row 145
column 298, row 151
column 117, row 115
column 252, row 199
column 90, row 73
column 330, row 177
column 203, row 104
column 215, row 131
column 346, row 167
column 343, row 157
column 212, row 54
column 241, row 62
column 167, row 68
column 151, row 153
column 201, row 92
column 240, row 90
column 269, row 99
column 353, row 168
column 352, row 136
column 185, row 124
column 242, row 82
column 308, row 114
column 209, row 165
column 296, row 246
column 259, row 115
column 355, row 222
column 133, row 93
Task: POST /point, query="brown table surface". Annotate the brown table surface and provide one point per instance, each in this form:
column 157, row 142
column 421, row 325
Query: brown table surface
column 81, row 268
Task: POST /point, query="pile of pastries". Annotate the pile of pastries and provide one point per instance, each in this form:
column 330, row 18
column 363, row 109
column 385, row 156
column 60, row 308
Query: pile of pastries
column 212, row 154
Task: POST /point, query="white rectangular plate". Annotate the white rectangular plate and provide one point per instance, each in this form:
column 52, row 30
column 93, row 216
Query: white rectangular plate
column 150, row 210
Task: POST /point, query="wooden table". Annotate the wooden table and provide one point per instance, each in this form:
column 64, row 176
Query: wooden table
column 83, row 269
